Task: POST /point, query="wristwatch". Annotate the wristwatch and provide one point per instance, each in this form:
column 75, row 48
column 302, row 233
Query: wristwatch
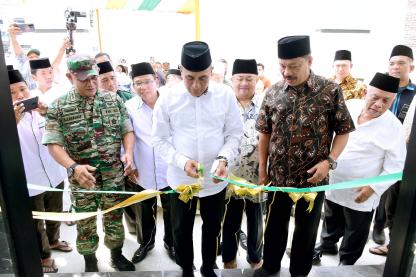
column 222, row 159
column 71, row 170
column 332, row 163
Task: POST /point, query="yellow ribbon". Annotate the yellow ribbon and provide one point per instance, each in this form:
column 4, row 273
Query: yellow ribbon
column 186, row 192
column 308, row 196
column 244, row 191
column 140, row 196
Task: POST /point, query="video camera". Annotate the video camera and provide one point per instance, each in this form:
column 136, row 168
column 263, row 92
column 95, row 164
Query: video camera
column 71, row 26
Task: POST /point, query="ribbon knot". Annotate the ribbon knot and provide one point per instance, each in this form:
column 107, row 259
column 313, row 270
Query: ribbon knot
column 308, row 196
column 186, row 192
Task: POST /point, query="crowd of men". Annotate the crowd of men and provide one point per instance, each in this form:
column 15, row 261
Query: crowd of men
column 303, row 131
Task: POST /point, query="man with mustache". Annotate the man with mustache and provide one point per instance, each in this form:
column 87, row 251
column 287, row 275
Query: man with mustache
column 297, row 148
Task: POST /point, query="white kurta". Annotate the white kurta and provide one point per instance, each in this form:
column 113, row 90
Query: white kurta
column 152, row 168
column 199, row 128
column 376, row 147
column 40, row 168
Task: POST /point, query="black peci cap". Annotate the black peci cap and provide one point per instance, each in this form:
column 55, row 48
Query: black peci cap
column 39, row 63
column 293, row 47
column 15, row 76
column 140, row 69
column 196, row 56
column 402, row 50
column 245, row 66
column 342, row 55
column 105, row 67
column 385, row 82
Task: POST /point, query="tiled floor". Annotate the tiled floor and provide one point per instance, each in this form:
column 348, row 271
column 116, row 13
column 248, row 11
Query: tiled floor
column 157, row 259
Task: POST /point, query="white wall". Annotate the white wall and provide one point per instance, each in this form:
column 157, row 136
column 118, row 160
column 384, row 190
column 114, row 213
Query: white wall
column 233, row 29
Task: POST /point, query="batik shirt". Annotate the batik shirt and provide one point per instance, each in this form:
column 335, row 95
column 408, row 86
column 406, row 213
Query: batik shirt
column 352, row 88
column 301, row 122
column 247, row 162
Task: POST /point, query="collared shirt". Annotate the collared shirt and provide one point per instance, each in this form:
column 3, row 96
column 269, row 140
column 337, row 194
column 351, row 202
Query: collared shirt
column 49, row 96
column 402, row 101
column 199, row 128
column 152, row 168
column 301, row 123
column 352, row 88
column 91, row 129
column 247, row 162
column 40, row 168
column 377, row 147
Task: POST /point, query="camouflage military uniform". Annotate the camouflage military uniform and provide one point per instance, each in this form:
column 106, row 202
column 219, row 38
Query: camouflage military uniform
column 91, row 130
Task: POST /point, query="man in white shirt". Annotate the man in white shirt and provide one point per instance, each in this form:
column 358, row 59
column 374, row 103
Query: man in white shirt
column 43, row 75
column 244, row 79
column 377, row 147
column 40, row 169
column 151, row 168
column 197, row 123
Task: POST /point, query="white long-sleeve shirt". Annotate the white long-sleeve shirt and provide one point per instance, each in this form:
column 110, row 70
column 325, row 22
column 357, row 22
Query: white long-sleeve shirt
column 50, row 95
column 152, row 168
column 377, row 147
column 40, row 168
column 199, row 128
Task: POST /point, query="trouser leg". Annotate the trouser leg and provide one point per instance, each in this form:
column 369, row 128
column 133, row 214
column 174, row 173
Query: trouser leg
column 53, row 203
column 232, row 223
column 212, row 212
column 304, row 236
column 333, row 225
column 357, row 228
column 183, row 217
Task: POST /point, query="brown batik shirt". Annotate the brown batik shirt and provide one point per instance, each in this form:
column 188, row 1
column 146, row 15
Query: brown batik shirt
column 301, row 123
column 352, row 88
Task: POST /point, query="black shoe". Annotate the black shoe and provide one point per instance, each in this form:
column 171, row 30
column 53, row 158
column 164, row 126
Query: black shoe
column 91, row 264
column 141, row 253
column 119, row 262
column 171, row 251
column 188, row 272
column 378, row 236
column 243, row 240
column 327, row 249
column 262, row 272
column 343, row 262
column 316, row 257
column 208, row 272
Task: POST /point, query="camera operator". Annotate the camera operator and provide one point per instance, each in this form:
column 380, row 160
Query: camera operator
column 22, row 60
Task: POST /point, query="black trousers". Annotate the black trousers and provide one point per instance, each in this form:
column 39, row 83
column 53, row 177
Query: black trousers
column 232, row 225
column 183, row 217
column 352, row 225
column 47, row 232
column 279, row 205
column 387, row 208
column 144, row 216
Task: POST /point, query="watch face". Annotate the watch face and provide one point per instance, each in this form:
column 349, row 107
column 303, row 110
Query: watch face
column 70, row 171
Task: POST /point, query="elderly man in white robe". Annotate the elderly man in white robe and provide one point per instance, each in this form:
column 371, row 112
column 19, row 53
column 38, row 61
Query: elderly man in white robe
column 377, row 147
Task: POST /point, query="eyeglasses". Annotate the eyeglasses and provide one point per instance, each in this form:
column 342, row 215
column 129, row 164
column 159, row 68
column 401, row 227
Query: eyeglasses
column 144, row 83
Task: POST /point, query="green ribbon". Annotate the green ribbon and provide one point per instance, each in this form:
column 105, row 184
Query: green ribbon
column 394, row 177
